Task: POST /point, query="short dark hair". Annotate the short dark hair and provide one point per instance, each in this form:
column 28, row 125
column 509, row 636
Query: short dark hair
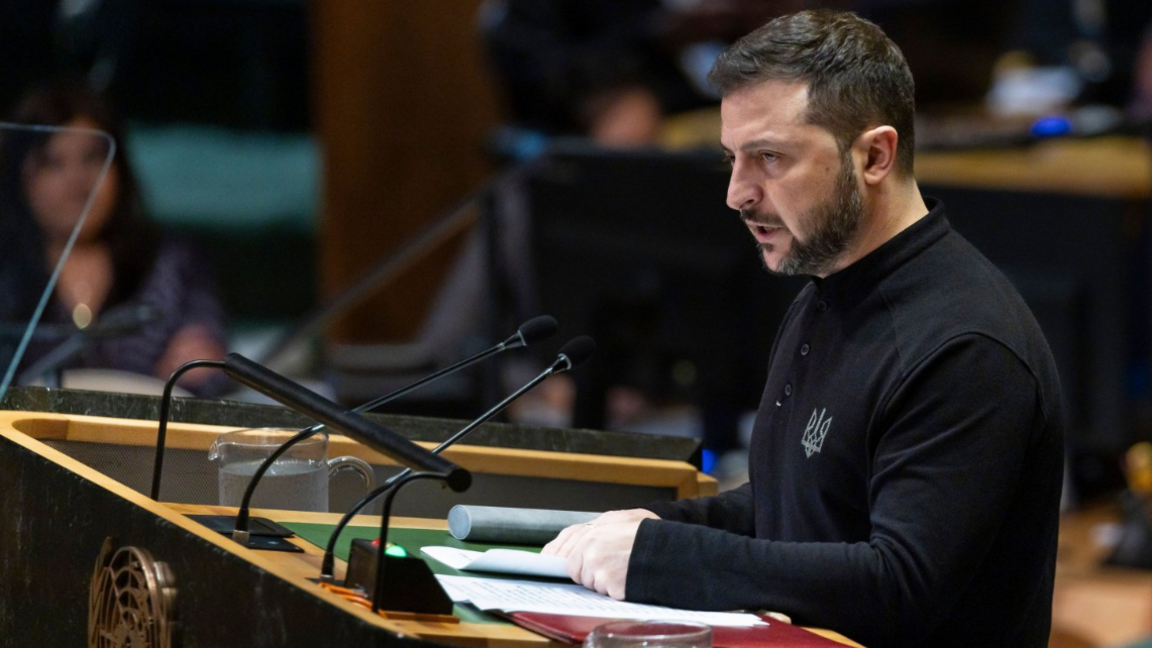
column 857, row 77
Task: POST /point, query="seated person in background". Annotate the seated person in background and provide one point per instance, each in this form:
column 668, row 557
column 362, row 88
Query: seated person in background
column 120, row 257
column 906, row 460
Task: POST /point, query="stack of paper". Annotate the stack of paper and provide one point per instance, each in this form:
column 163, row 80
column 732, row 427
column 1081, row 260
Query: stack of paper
column 503, row 561
column 572, row 600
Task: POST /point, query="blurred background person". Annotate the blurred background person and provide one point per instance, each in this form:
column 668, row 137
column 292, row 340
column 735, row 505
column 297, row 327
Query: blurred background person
column 614, row 71
column 611, row 70
column 1140, row 104
column 120, row 258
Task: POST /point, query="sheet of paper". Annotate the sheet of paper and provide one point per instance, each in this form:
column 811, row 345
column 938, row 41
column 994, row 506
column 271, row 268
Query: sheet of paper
column 503, row 561
column 572, row 600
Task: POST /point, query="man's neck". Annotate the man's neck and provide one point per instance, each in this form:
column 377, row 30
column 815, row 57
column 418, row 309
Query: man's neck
column 890, row 209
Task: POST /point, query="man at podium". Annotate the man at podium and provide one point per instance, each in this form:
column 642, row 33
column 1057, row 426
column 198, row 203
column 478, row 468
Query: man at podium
column 906, row 463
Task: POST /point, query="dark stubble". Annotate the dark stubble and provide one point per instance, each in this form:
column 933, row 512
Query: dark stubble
column 833, row 225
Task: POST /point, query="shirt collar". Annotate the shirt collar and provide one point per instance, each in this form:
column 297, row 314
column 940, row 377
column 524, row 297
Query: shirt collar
column 854, row 282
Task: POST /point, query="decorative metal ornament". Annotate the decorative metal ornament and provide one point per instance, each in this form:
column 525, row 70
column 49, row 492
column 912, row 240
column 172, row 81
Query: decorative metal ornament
column 131, row 601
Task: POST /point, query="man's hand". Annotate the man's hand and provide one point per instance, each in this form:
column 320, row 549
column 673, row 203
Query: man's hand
column 598, row 551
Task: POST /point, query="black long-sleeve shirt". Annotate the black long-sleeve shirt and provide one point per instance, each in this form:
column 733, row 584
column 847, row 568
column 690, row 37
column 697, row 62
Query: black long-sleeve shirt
column 905, row 468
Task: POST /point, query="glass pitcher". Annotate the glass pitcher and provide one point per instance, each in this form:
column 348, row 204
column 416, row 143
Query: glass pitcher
column 296, row 481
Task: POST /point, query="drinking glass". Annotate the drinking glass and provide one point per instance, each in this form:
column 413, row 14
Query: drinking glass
column 650, row 634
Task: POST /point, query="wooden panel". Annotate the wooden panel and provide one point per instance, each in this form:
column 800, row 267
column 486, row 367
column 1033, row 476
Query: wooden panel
column 58, row 513
column 402, row 107
column 481, row 459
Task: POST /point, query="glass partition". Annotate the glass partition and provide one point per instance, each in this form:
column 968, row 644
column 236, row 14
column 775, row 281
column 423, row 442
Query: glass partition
column 56, row 188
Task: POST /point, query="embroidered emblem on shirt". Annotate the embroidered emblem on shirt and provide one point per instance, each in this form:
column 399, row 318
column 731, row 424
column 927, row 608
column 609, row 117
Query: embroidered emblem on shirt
column 815, row 432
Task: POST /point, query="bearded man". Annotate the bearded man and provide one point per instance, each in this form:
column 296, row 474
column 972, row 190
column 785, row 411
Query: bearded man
column 906, row 460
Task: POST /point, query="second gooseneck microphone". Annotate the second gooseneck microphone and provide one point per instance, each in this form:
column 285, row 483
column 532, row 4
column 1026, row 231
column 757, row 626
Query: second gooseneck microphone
column 571, row 355
column 534, row 330
column 530, row 332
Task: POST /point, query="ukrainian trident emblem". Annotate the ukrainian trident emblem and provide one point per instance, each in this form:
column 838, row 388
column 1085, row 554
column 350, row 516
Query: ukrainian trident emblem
column 815, row 432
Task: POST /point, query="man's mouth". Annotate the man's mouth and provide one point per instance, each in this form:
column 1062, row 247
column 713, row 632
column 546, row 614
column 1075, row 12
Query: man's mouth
column 762, row 232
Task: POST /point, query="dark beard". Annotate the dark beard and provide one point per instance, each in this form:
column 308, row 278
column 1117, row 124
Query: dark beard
column 834, row 225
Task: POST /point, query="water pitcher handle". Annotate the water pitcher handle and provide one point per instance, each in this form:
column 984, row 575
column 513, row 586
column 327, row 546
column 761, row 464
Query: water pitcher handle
column 362, row 467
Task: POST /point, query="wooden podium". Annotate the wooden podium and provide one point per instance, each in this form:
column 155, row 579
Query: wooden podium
column 59, row 513
column 167, row 581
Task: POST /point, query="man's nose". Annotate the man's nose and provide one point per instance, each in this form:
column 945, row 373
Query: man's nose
column 742, row 192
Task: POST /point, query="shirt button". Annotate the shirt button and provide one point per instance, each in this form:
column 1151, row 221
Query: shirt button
column 821, row 305
column 788, row 389
column 804, row 350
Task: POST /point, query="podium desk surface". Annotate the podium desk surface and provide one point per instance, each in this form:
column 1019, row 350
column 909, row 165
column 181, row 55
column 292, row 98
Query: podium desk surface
column 307, row 565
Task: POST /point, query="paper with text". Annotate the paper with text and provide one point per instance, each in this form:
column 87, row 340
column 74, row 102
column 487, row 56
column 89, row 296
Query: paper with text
column 572, row 600
column 503, row 561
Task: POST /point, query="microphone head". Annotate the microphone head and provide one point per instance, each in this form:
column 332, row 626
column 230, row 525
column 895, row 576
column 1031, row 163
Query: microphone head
column 459, row 479
column 578, row 350
column 537, row 329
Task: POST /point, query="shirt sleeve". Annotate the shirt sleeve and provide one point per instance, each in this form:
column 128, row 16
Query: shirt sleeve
column 731, row 511
column 953, row 445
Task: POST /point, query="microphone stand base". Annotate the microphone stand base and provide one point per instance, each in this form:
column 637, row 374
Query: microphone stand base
column 264, row 534
column 257, row 526
column 414, row 588
column 270, row 543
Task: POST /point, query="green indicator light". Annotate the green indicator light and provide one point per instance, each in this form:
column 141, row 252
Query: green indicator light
column 396, row 551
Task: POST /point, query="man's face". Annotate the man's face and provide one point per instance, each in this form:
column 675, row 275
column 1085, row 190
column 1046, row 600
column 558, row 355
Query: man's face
column 794, row 190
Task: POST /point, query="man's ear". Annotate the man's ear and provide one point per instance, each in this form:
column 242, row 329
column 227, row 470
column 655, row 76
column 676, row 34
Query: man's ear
column 879, row 147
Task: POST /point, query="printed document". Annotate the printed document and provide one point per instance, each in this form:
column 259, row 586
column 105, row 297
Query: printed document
column 503, row 561
column 571, row 599
column 500, row 560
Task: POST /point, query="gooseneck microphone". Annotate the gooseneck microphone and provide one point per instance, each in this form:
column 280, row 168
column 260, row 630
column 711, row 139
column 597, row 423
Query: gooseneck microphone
column 530, row 332
column 315, row 406
column 165, row 406
column 122, row 321
column 119, row 321
column 571, row 355
column 534, row 330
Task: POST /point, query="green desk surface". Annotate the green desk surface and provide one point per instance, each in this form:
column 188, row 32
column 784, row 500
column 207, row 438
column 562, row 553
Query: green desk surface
column 412, row 540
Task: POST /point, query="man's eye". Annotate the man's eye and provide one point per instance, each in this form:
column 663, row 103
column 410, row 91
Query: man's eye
column 768, row 157
column 729, row 161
